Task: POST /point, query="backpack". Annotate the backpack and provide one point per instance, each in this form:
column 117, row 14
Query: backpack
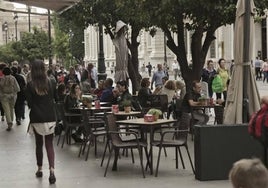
column 217, row 85
column 258, row 125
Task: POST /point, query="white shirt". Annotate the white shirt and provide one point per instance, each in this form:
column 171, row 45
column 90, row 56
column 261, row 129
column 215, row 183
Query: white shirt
column 175, row 65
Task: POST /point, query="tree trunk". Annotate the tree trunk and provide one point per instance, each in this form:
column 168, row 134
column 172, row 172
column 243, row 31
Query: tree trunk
column 133, row 65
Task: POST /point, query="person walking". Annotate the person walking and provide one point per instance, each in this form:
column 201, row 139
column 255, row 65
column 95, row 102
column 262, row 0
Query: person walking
column 149, row 68
column 265, row 71
column 157, row 77
column 208, row 74
column 40, row 96
column 258, row 65
column 176, row 69
column 223, row 73
column 2, row 66
column 20, row 102
column 9, row 88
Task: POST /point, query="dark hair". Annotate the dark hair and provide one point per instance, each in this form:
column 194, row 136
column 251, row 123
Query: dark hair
column 72, row 89
column 209, row 61
column 6, row 71
column 194, row 83
column 39, row 77
column 219, row 62
column 108, row 82
column 123, row 83
column 144, row 82
column 14, row 70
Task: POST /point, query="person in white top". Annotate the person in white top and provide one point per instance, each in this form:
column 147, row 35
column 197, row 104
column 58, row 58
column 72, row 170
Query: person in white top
column 78, row 71
column 176, row 69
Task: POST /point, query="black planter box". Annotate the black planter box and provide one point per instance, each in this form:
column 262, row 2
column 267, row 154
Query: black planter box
column 217, row 147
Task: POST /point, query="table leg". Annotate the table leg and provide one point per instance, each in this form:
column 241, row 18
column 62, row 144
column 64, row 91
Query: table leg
column 151, row 150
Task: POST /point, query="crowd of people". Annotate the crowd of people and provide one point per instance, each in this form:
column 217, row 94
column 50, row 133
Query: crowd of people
column 38, row 86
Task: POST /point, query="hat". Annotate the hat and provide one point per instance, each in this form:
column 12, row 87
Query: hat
column 119, row 25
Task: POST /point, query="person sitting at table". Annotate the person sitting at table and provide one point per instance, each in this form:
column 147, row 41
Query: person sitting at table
column 121, row 93
column 61, row 92
column 180, row 89
column 98, row 91
column 107, row 94
column 71, row 101
column 169, row 90
column 144, row 93
column 191, row 99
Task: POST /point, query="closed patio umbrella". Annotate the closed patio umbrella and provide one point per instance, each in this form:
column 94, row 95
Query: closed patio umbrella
column 121, row 52
column 243, row 96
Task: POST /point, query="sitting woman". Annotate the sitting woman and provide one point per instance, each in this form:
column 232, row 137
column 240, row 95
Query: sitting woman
column 71, row 101
column 169, row 90
column 144, row 93
column 121, row 93
column 180, row 89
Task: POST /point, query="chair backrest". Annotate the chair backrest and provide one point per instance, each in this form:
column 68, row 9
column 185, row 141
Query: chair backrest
column 184, row 124
column 110, row 121
column 163, row 102
column 159, row 102
column 58, row 108
column 178, row 108
column 204, row 86
column 87, row 126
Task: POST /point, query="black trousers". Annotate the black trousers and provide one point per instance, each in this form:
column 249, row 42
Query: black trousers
column 19, row 111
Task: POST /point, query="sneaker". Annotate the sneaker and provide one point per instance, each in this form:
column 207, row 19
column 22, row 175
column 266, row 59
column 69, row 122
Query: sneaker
column 2, row 119
column 39, row 174
column 18, row 122
column 52, row 178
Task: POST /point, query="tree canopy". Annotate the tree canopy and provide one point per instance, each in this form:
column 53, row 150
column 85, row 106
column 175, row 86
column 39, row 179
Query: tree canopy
column 202, row 18
column 31, row 46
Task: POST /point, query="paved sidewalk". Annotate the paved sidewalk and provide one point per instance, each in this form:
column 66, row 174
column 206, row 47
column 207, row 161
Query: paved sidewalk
column 18, row 167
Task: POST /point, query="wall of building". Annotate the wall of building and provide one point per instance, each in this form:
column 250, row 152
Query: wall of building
column 151, row 49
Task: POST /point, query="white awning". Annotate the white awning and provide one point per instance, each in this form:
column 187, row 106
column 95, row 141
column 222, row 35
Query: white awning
column 56, row 5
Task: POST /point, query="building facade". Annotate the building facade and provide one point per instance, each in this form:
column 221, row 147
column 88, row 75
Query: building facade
column 16, row 24
column 152, row 49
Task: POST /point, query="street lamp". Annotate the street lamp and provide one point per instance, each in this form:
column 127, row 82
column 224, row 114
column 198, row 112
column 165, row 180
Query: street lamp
column 5, row 28
column 16, row 26
column 101, row 60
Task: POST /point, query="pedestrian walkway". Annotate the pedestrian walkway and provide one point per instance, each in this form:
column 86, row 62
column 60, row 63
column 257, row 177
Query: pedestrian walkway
column 17, row 164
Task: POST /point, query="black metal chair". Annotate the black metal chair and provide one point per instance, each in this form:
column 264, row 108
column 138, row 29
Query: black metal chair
column 175, row 137
column 117, row 143
column 93, row 128
column 67, row 124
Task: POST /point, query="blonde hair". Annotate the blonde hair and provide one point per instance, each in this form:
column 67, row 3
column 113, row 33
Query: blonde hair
column 179, row 84
column 249, row 173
